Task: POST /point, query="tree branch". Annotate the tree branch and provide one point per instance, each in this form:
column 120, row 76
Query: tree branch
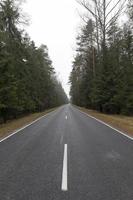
column 113, row 19
column 112, row 8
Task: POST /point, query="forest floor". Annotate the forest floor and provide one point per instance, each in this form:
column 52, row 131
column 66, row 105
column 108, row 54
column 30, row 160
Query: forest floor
column 120, row 122
column 15, row 124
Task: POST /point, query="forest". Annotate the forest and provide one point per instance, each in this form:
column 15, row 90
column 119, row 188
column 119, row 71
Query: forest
column 28, row 82
column 102, row 71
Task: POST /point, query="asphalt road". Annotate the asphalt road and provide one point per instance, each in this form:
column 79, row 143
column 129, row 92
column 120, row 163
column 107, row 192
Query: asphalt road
column 66, row 156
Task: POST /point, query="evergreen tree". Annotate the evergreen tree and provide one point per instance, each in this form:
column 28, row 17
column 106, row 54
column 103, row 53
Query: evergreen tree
column 102, row 75
column 26, row 72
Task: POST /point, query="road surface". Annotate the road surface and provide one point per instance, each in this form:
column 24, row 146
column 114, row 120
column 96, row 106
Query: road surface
column 66, row 155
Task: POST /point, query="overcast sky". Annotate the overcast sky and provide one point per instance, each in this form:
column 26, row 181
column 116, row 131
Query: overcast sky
column 55, row 23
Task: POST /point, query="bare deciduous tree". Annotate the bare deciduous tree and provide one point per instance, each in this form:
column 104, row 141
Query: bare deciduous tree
column 104, row 13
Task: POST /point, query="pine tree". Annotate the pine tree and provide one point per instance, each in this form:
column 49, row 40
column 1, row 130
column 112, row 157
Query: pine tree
column 26, row 71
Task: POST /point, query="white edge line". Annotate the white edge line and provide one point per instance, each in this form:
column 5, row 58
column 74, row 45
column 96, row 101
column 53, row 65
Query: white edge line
column 124, row 134
column 64, row 186
column 26, row 126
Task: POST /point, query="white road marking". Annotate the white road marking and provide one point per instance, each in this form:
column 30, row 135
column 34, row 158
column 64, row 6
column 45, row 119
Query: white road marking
column 66, row 117
column 124, row 134
column 26, row 126
column 64, row 186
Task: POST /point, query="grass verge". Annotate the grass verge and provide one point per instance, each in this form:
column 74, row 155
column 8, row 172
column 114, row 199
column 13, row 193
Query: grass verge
column 11, row 126
column 120, row 122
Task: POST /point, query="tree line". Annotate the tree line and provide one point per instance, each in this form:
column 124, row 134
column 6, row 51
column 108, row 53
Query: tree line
column 102, row 71
column 28, row 82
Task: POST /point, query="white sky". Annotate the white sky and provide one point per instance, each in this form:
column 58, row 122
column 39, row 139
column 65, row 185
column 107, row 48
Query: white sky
column 55, row 23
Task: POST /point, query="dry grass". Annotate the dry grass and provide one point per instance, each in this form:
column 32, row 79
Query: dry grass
column 122, row 123
column 10, row 126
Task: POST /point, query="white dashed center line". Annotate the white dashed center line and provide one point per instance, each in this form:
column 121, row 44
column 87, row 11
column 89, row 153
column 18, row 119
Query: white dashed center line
column 64, row 186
